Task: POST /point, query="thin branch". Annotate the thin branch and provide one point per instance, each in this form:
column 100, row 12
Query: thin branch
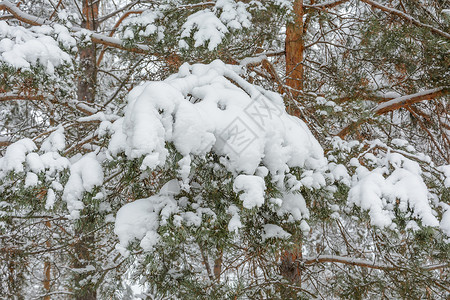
column 433, row 140
column 125, row 15
column 53, row 293
column 128, row 6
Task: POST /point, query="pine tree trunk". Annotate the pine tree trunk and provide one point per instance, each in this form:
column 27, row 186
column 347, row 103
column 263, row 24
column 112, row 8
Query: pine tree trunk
column 47, row 266
column 290, row 264
column 294, row 50
column 290, row 260
column 88, row 80
column 84, row 290
column 83, row 248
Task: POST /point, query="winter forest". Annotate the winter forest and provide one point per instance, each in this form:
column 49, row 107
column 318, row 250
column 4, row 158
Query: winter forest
column 224, row 149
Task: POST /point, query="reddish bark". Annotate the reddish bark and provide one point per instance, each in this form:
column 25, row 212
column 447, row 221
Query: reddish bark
column 88, row 55
column 294, row 50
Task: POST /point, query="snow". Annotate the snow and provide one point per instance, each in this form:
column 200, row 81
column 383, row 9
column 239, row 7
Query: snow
column 210, row 108
column 22, row 48
column 235, row 221
column 238, row 122
column 50, row 162
column 15, row 155
column 140, row 220
column 31, row 179
column 146, row 19
column 171, row 188
column 377, row 194
column 150, row 107
column 339, row 173
column 85, row 174
column 98, row 116
column 51, row 197
column 388, row 95
column 233, row 14
column 295, row 206
column 446, row 170
column 55, row 142
column 274, row 231
column 253, row 188
column 285, row 4
column 399, row 142
column 445, row 222
column 252, row 60
column 207, row 28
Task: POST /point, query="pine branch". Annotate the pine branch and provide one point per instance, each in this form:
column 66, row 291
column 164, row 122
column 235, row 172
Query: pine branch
column 95, row 37
column 13, row 96
column 407, row 17
column 400, row 102
column 363, row 263
column 326, row 5
column 395, row 104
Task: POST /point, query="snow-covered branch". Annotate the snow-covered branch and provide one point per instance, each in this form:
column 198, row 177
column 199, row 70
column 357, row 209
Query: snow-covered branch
column 95, row 37
column 406, row 17
column 399, row 102
column 348, row 261
column 395, row 104
column 362, row 262
column 13, row 96
column 326, row 5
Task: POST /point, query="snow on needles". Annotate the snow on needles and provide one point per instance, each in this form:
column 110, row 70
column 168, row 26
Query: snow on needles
column 380, row 189
column 210, row 108
column 85, row 174
column 208, row 28
column 200, row 110
column 211, row 26
column 22, row 48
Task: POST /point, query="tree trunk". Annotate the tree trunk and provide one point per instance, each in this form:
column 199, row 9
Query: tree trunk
column 85, row 289
column 290, row 267
column 290, row 260
column 47, row 266
column 88, row 68
column 294, row 50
